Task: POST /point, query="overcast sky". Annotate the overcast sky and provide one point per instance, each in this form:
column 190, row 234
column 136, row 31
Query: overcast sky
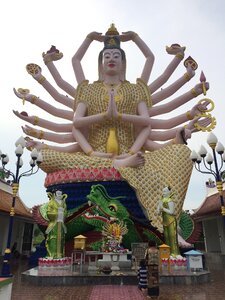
column 29, row 28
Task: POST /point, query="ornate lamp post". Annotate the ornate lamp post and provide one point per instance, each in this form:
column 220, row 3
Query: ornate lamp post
column 208, row 161
column 36, row 159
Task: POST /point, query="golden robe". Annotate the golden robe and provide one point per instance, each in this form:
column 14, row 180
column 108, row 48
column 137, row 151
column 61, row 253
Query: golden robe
column 168, row 166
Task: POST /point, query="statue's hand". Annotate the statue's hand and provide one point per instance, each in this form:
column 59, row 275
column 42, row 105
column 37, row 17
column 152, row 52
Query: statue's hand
column 109, row 109
column 96, row 36
column 187, row 134
column 190, row 126
column 31, row 144
column 52, row 54
column 112, row 109
column 199, row 108
column 32, row 132
column 190, row 71
column 182, row 135
column 34, row 70
column 127, row 36
column 24, row 116
column 115, row 113
column 202, row 121
column 24, row 94
column 175, row 49
column 199, row 88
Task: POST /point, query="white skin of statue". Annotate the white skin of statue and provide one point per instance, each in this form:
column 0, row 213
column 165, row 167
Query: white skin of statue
column 59, row 199
column 112, row 72
column 166, row 193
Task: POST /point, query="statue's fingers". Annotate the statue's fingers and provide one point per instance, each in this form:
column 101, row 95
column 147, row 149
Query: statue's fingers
column 24, row 129
column 16, row 93
column 16, row 113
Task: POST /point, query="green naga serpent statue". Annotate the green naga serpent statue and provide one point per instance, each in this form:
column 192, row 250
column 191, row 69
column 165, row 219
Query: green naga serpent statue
column 101, row 209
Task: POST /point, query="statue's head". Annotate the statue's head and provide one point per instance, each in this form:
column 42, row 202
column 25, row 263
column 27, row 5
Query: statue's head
column 57, row 192
column 166, row 191
column 112, row 51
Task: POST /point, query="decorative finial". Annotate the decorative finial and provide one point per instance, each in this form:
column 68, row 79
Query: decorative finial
column 112, row 30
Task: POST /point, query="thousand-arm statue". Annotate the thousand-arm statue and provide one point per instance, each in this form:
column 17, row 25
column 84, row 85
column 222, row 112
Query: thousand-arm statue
column 112, row 123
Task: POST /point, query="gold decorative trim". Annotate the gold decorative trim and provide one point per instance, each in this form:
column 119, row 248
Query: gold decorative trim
column 33, row 99
column 189, row 116
column 36, row 120
column 194, row 93
column 179, row 55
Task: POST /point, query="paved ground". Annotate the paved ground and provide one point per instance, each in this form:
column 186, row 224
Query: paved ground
column 215, row 290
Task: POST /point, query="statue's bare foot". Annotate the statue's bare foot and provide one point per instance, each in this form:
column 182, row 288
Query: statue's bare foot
column 135, row 160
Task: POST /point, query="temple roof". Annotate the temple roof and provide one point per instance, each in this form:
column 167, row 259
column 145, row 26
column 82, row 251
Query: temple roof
column 6, row 201
column 211, row 206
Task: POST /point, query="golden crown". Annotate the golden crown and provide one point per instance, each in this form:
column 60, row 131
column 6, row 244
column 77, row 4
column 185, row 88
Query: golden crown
column 112, row 30
column 112, row 39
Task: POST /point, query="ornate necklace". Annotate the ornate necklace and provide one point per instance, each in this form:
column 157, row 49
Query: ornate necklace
column 112, row 85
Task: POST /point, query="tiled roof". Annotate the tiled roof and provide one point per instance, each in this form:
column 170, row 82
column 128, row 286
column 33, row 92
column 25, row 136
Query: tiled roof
column 6, row 203
column 211, row 206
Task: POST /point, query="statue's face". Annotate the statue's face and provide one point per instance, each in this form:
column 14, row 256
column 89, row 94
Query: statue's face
column 112, row 62
column 58, row 193
column 166, row 191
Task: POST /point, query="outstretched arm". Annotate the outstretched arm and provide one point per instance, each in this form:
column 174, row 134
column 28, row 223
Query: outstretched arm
column 52, row 55
column 169, row 134
column 76, row 60
column 171, row 89
column 35, row 71
column 48, row 136
column 61, row 113
column 130, row 35
column 34, row 120
column 180, row 137
column 173, row 104
column 41, row 146
column 179, row 55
